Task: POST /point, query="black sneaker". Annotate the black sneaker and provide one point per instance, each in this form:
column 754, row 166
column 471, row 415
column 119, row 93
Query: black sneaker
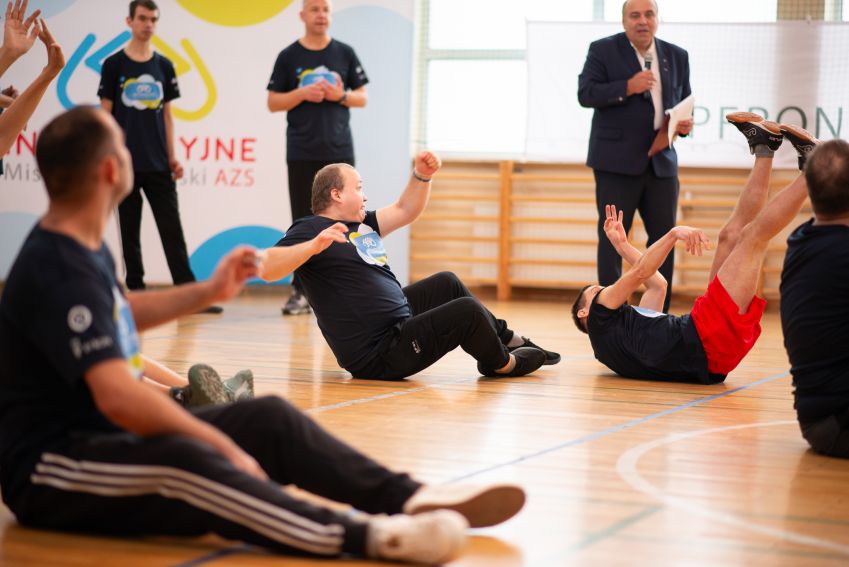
column 297, row 305
column 212, row 310
column 550, row 357
column 802, row 140
column 528, row 359
column 757, row 130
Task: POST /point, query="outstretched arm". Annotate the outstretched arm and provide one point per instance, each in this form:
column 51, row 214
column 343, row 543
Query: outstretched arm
column 281, row 261
column 646, row 266
column 151, row 308
column 414, row 198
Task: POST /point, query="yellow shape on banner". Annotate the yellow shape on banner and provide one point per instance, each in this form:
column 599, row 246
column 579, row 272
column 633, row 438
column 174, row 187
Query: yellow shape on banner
column 182, row 66
column 234, row 14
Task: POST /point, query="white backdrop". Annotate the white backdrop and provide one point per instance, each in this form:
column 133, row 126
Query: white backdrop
column 789, row 71
column 233, row 149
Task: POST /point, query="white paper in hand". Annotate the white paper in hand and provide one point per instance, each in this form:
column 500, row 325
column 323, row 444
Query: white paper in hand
column 681, row 111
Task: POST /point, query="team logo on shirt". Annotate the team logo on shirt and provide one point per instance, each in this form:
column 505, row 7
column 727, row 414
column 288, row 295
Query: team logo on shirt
column 128, row 337
column 142, row 93
column 310, row 76
column 369, row 245
column 79, row 318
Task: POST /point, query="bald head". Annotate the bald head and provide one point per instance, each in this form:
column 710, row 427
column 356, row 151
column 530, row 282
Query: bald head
column 639, row 19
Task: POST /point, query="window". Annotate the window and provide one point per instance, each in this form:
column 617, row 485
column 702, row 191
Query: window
column 471, row 71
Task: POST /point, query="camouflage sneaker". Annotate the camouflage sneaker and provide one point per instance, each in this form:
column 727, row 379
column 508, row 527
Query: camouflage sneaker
column 206, row 387
column 241, row 386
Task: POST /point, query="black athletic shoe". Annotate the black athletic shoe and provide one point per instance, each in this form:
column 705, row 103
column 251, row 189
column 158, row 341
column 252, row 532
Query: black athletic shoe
column 802, row 140
column 528, row 359
column 212, row 310
column 757, row 130
column 550, row 357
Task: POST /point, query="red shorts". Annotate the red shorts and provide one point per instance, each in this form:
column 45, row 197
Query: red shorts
column 726, row 335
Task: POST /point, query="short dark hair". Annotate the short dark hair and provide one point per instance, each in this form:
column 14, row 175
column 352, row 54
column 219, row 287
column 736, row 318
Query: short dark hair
column 577, row 306
column 827, row 174
column 328, row 178
column 148, row 4
column 69, row 147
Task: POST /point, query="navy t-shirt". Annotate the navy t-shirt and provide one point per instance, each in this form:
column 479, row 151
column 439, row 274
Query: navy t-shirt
column 636, row 342
column 815, row 318
column 61, row 313
column 138, row 92
column 318, row 131
column 353, row 292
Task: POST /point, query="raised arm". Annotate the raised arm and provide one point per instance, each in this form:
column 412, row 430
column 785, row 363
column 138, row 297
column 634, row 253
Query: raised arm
column 414, row 199
column 656, row 285
column 151, row 308
column 647, row 264
column 13, row 120
column 281, row 261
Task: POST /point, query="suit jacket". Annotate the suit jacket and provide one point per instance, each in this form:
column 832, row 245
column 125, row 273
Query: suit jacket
column 623, row 126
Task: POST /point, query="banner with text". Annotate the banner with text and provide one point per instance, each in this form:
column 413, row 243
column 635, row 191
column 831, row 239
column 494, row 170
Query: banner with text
column 233, row 150
column 788, row 71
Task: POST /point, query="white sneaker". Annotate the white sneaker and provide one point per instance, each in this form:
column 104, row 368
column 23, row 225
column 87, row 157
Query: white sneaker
column 481, row 505
column 432, row 538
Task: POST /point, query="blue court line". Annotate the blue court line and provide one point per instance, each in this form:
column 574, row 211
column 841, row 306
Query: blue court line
column 615, row 428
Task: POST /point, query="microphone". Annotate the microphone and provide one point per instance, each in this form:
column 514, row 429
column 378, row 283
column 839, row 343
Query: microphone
column 648, row 58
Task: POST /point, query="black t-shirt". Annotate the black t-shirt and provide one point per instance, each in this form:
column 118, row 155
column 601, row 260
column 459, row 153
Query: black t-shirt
column 138, row 92
column 61, row 313
column 636, row 342
column 815, row 318
column 317, row 131
column 356, row 297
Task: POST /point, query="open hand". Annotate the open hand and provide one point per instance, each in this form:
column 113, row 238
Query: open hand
column 331, row 234
column 19, row 33
column 613, row 227
column 55, row 57
column 694, row 238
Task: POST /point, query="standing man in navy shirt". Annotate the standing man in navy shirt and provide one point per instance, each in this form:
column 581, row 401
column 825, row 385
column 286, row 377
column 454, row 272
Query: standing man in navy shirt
column 630, row 79
column 137, row 86
column 316, row 80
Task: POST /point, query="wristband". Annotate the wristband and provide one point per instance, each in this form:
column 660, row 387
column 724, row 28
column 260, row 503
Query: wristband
column 420, row 178
column 343, row 99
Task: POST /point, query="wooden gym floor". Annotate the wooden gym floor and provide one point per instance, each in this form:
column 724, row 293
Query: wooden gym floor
column 618, row 472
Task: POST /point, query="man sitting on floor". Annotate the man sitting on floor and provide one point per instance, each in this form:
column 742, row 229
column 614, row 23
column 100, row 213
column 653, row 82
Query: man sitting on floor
column 709, row 342
column 86, row 446
column 815, row 304
column 376, row 328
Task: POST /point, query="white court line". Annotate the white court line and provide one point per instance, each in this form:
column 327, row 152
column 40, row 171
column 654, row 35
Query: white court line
column 626, row 466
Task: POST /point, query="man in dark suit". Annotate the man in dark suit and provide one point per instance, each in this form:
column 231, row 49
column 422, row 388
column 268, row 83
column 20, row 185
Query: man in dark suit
column 629, row 79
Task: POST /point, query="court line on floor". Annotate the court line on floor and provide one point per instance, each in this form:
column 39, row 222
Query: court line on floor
column 626, row 466
column 616, row 428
